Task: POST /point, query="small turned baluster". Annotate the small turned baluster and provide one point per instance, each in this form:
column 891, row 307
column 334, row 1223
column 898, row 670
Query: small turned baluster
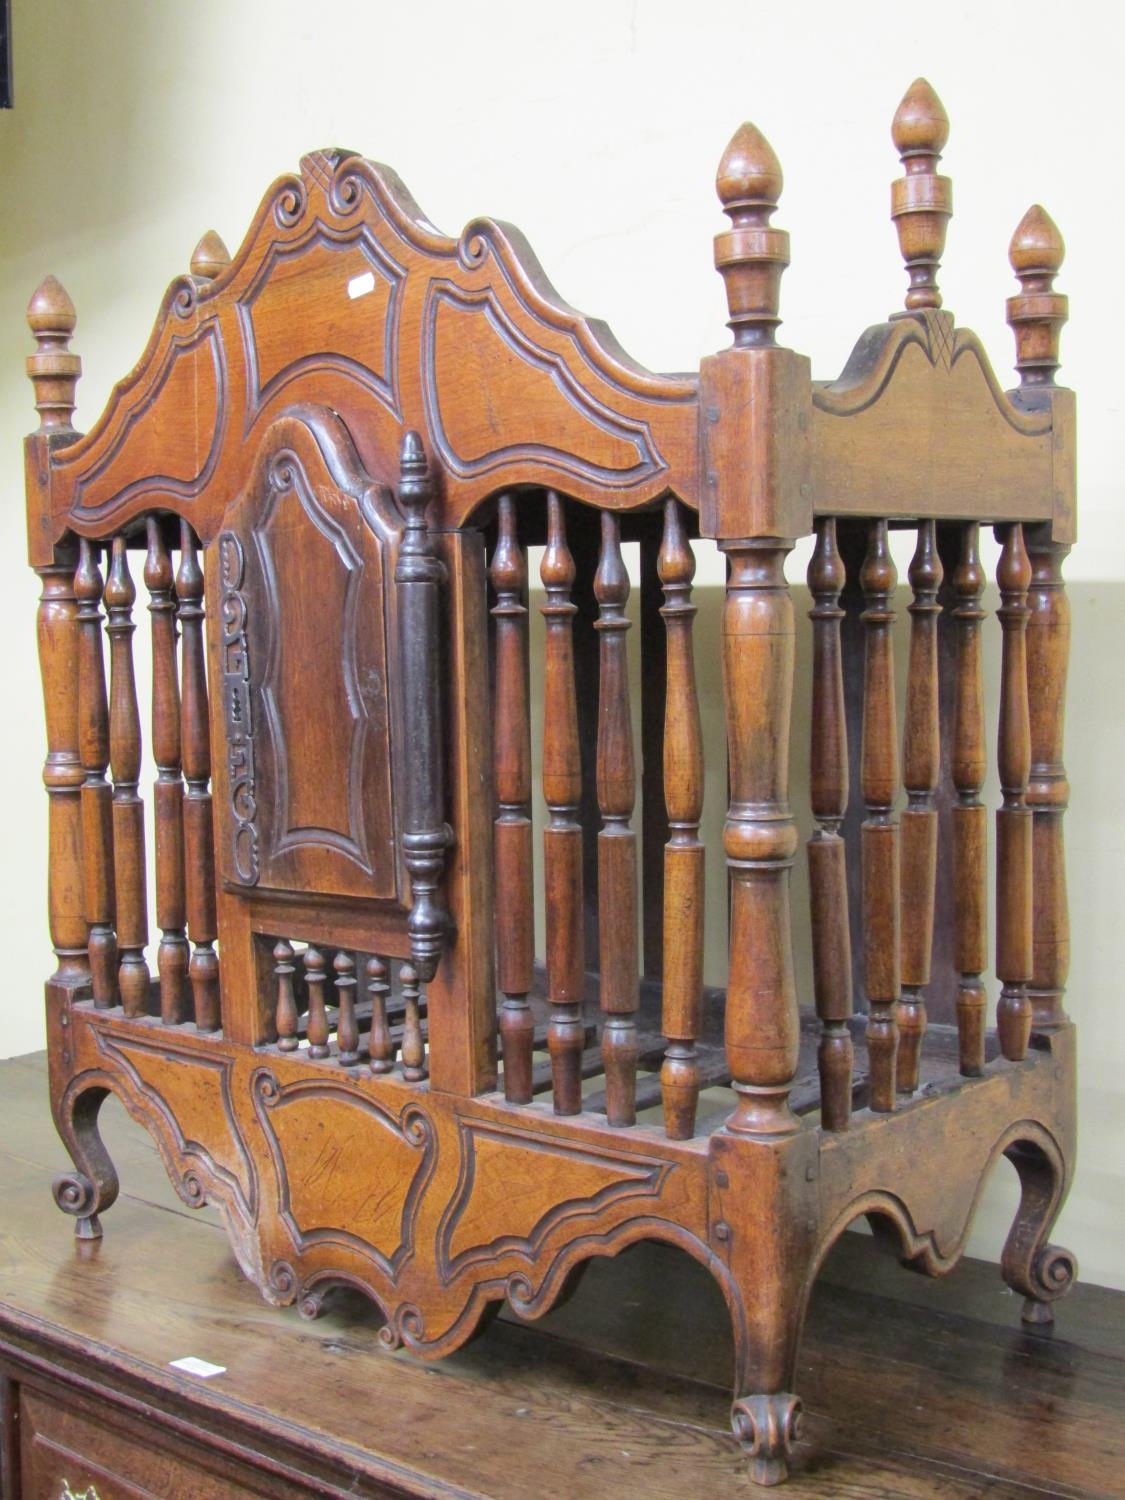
column 879, row 834
column 562, row 838
column 617, row 851
column 316, row 976
column 921, row 760
column 199, row 847
column 413, row 1046
column 922, row 201
column 97, row 813
column 969, row 816
column 1036, row 315
column 827, row 855
column 347, row 1030
column 1014, row 818
column 131, row 890
column 173, row 954
column 515, row 905
column 287, row 1019
column 684, row 862
column 54, row 373
column 381, row 1046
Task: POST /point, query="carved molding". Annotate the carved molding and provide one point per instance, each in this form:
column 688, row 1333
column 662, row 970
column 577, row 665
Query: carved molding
column 359, row 1152
column 238, row 711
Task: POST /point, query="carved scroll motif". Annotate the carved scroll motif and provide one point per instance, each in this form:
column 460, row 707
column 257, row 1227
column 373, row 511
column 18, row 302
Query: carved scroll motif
column 237, row 710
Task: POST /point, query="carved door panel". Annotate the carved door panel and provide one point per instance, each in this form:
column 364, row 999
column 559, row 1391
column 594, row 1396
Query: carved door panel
column 306, row 632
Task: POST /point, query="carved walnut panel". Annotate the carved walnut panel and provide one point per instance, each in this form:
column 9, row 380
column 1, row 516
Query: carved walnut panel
column 305, row 558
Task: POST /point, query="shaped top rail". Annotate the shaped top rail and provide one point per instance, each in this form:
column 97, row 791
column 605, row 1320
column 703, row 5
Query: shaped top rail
column 344, row 295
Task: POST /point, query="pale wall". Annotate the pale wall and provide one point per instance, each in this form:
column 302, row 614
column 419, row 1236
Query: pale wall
column 596, row 127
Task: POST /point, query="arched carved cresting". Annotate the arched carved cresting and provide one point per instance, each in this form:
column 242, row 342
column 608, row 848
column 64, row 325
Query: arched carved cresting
column 398, row 327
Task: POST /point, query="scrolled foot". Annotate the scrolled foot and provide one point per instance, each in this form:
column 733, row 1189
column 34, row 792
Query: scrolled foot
column 1053, row 1273
column 76, row 1194
column 767, row 1427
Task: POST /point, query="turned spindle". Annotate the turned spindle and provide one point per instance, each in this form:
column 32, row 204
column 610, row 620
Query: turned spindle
column 921, row 201
column 617, row 851
column 96, row 794
column 562, row 837
column 413, row 1052
column 381, row 1047
column 130, row 887
column 316, row 977
column 827, row 854
column 762, row 1031
column 57, row 635
column 347, row 1028
column 511, row 720
column 286, row 1017
column 53, row 370
column 918, row 825
column 684, row 862
column 1037, row 312
column 172, row 954
column 1014, row 818
column 751, row 255
column 1048, row 791
column 969, row 818
column 210, row 258
column 879, row 834
column 195, row 737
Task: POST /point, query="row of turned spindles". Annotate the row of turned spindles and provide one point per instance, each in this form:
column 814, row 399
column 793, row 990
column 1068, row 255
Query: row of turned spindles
column 105, row 769
column 381, row 1036
column 898, row 854
column 562, row 839
column 897, row 851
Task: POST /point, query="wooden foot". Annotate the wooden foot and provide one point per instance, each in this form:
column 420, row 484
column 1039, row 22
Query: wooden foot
column 1041, row 1271
column 92, row 1187
column 767, row 1427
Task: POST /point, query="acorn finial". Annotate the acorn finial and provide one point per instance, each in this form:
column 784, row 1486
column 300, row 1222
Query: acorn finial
column 922, row 201
column 210, row 258
column 1037, row 312
column 53, row 369
column 751, row 255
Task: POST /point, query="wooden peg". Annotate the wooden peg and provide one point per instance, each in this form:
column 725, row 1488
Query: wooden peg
column 1037, row 313
column 750, row 255
column 52, row 369
column 922, row 201
column 210, row 258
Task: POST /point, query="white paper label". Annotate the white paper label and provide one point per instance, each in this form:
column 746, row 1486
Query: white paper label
column 192, row 1366
column 359, row 286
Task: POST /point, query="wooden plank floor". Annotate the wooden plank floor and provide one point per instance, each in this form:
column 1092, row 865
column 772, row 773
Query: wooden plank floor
column 912, row 1388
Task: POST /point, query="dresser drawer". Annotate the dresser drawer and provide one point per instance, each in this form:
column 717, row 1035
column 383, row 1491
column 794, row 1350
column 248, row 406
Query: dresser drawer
column 67, row 1453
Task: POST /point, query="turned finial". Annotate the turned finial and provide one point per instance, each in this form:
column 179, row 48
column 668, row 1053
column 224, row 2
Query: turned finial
column 210, row 258
column 922, row 201
column 1037, row 313
column 53, row 369
column 750, row 255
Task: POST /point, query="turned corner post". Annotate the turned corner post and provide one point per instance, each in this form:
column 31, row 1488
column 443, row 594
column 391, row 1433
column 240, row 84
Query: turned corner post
column 54, row 371
column 1036, row 315
column 419, row 577
column 755, row 519
column 921, row 200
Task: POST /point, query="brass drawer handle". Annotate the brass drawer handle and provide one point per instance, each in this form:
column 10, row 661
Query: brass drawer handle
column 66, row 1493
